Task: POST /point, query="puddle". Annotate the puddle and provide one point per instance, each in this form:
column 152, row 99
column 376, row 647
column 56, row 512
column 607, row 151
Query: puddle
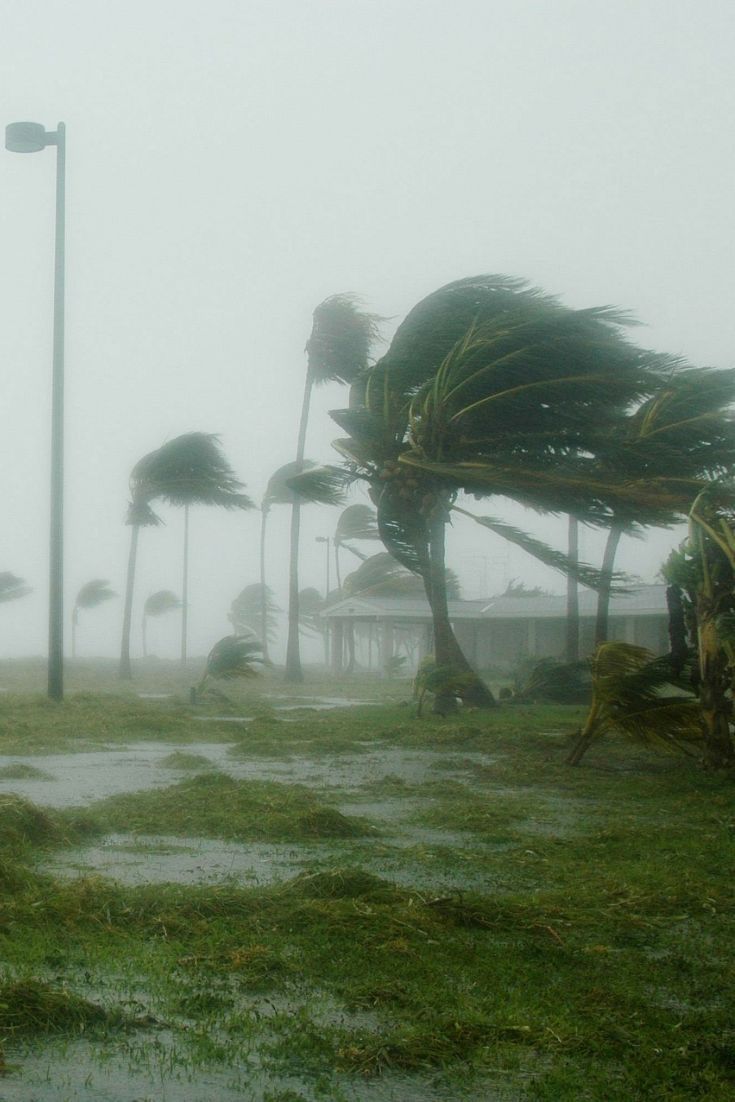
column 155, row 1068
column 80, row 779
column 159, row 859
column 224, row 719
column 320, row 703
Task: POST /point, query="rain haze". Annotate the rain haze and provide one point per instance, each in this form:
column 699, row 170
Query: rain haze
column 231, row 164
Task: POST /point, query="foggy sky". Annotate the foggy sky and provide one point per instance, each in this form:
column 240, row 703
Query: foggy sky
column 230, row 164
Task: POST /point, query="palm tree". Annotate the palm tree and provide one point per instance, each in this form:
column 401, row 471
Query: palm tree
column 189, row 470
column 12, row 587
column 231, row 658
column 356, row 522
column 284, row 488
column 139, row 515
column 89, row 596
column 338, row 350
column 493, row 388
column 246, row 614
column 157, row 604
column 702, row 575
column 685, row 426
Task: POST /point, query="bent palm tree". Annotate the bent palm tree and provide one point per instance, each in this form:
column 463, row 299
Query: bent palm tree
column 495, row 389
column 685, row 426
column 294, row 484
column 158, row 604
column 246, row 614
column 89, row 596
column 231, row 658
column 356, row 522
column 189, row 470
column 12, row 587
column 338, row 350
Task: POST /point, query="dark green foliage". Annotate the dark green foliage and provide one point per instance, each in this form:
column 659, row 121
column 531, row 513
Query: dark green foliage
column 232, row 657
column 341, row 339
column 190, row 469
column 319, row 485
column 550, row 681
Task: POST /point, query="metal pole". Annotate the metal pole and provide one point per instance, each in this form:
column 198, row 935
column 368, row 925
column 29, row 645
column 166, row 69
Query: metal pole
column 327, row 593
column 185, row 590
column 56, row 542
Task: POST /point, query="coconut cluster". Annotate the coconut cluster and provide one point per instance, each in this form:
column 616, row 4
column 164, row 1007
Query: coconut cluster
column 425, row 495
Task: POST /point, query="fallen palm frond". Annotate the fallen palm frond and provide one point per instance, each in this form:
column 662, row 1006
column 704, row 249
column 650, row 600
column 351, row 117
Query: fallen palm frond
column 629, row 696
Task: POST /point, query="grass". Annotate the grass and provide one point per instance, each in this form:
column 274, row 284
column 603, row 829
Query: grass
column 213, row 805
column 591, row 960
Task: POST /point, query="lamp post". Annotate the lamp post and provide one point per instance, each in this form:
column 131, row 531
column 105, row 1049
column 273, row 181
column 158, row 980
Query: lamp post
column 31, row 137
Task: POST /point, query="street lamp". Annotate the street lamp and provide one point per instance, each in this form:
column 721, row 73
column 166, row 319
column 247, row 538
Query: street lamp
column 31, row 137
column 325, row 539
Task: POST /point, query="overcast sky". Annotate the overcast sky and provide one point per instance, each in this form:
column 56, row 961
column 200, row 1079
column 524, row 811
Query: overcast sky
column 232, row 163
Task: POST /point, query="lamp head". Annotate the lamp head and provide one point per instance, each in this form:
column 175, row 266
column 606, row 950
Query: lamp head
column 27, row 137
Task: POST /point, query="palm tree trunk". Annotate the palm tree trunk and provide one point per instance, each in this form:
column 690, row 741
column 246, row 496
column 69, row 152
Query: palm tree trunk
column 572, row 642
column 606, row 575
column 126, row 671
column 143, row 626
column 185, row 590
column 336, row 568
column 263, row 590
column 74, row 622
column 350, row 641
column 294, row 671
column 447, row 651
column 713, row 689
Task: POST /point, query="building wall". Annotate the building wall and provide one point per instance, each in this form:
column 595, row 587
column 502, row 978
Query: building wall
column 506, row 642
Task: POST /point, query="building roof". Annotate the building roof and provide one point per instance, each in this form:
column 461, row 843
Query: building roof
column 644, row 600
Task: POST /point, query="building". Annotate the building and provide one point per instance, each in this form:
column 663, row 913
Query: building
column 495, row 631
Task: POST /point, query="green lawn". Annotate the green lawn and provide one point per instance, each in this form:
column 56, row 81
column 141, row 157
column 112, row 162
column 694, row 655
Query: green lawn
column 465, row 916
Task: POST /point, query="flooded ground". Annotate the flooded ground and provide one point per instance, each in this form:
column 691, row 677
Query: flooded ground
column 257, row 899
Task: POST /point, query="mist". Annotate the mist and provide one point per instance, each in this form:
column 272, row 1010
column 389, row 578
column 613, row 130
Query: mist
column 231, row 165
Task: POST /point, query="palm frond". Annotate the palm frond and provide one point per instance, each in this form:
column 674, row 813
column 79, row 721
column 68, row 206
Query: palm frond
column 629, row 695
column 190, row 469
column 233, row 656
column 140, row 513
column 356, row 522
column 341, row 339
column 161, row 602
column 582, row 572
column 325, row 485
column 94, row 593
column 12, row 587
